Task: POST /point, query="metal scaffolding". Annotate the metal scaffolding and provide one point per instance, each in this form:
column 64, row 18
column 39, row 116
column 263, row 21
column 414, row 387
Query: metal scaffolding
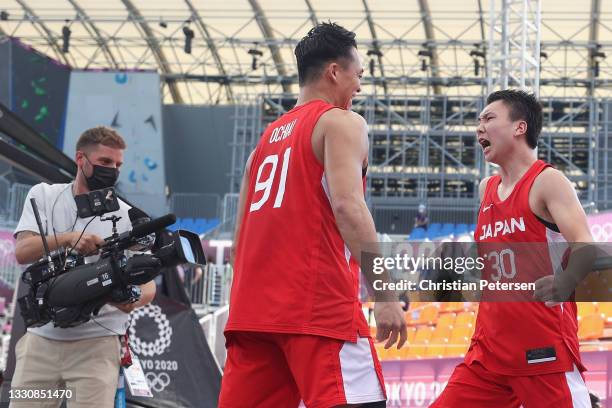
column 424, row 150
column 514, row 45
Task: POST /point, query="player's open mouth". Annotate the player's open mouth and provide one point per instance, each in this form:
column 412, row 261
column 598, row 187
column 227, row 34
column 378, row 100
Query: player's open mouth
column 485, row 144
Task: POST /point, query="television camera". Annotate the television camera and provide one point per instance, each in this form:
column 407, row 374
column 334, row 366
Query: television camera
column 67, row 291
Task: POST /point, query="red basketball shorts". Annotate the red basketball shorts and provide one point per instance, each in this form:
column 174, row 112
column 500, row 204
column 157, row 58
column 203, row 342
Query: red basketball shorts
column 270, row 370
column 474, row 386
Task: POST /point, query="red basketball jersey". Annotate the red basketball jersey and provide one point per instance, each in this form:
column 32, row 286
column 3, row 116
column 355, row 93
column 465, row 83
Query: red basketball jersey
column 522, row 338
column 292, row 272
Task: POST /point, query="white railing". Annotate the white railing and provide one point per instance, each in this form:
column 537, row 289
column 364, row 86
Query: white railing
column 211, row 287
column 213, row 324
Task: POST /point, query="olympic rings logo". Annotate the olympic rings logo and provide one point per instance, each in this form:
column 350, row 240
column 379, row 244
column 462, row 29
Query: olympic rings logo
column 157, row 382
column 602, row 232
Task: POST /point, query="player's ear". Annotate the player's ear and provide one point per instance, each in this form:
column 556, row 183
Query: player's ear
column 521, row 128
column 332, row 71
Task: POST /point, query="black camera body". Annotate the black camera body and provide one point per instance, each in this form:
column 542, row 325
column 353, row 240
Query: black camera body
column 67, row 291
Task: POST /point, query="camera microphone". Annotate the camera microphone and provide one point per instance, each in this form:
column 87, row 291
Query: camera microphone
column 137, row 216
column 152, row 226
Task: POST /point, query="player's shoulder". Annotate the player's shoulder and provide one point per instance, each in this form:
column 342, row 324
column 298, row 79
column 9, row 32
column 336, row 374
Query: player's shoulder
column 342, row 117
column 550, row 180
column 551, row 174
column 483, row 186
column 484, row 182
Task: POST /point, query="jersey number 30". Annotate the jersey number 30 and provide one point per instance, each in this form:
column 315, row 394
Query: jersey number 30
column 266, row 185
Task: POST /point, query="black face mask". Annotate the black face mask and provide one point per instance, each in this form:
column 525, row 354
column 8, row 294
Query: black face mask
column 102, row 177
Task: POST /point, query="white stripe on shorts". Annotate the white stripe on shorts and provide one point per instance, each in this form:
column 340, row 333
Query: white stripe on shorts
column 578, row 389
column 359, row 376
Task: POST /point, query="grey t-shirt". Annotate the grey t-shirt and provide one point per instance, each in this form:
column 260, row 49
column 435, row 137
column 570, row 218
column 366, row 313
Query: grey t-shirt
column 58, row 212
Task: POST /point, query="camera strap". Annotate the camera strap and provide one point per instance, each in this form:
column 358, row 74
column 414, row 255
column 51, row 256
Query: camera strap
column 126, row 355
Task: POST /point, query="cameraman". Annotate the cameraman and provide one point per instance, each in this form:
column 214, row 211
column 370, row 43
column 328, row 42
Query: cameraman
column 85, row 358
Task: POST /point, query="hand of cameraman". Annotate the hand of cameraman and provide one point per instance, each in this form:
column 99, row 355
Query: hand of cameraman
column 87, row 244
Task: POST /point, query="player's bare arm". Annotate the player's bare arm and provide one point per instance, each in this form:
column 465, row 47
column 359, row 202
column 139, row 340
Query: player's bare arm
column 344, row 137
column 345, row 150
column 554, row 199
column 241, row 203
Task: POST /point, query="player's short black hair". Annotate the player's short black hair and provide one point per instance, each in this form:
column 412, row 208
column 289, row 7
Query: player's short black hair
column 523, row 106
column 324, row 43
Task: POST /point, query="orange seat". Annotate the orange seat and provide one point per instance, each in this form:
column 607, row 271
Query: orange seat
column 411, row 334
column 466, row 319
column 591, row 327
column 416, row 305
column 416, row 351
column 452, row 307
column 393, row 353
column 423, row 335
column 461, row 335
column 412, row 317
column 441, row 334
column 456, row 350
column 446, row 320
column 586, row 308
column 435, row 351
column 605, row 308
column 417, row 348
column 429, row 314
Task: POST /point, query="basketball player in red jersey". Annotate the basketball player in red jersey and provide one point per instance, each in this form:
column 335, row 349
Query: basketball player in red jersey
column 522, row 354
column 296, row 330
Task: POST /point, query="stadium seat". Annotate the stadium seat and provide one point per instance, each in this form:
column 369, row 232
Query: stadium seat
column 456, row 350
column 393, row 353
column 459, row 342
column 380, row 351
column 411, row 331
column 213, row 223
column 434, row 227
column 417, row 233
column 412, row 317
column 417, row 305
column 465, row 319
column 416, row 351
column 605, row 308
column 586, row 308
column 435, row 351
column 461, row 335
column 429, row 314
column 446, row 320
column 441, row 335
column 461, row 229
column 452, row 307
column 591, row 327
column 199, row 225
column 448, row 228
column 423, row 335
column 187, row 224
column 419, row 346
